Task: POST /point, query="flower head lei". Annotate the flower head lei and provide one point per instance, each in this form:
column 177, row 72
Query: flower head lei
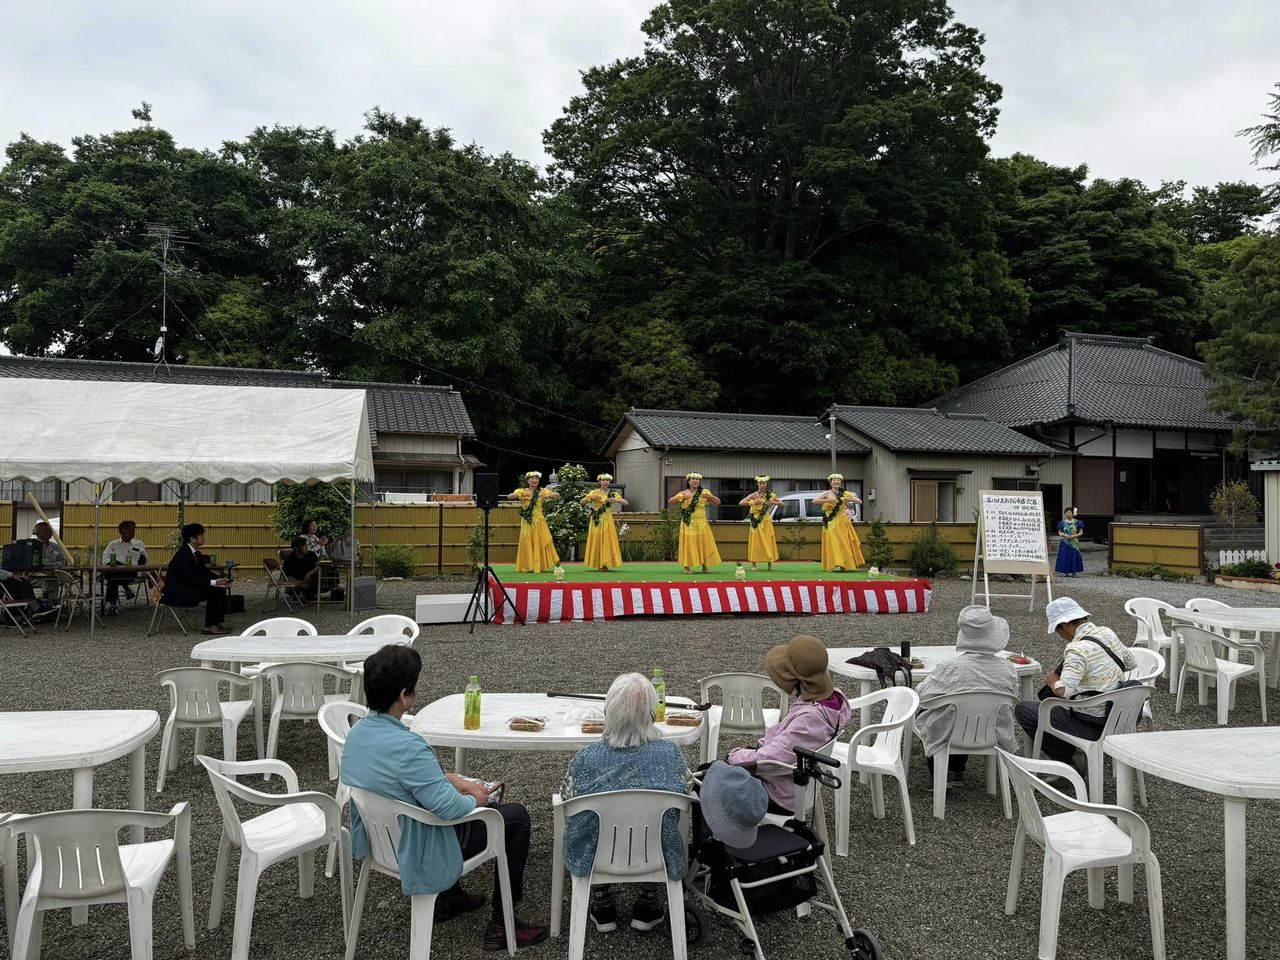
column 693, row 476
column 763, row 479
column 835, row 476
column 605, row 476
column 533, row 473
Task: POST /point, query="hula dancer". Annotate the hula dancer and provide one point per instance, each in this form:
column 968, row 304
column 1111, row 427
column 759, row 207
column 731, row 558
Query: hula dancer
column 603, row 549
column 697, row 543
column 762, row 546
column 537, row 551
column 841, row 549
column 1070, row 562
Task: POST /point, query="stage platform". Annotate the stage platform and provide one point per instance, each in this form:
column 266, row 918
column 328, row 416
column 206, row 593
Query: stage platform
column 664, row 589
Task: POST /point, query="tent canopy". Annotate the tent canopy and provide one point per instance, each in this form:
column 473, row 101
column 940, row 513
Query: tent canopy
column 72, row 430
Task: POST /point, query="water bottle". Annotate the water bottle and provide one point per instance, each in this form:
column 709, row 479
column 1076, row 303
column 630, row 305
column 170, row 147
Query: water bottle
column 660, row 685
column 37, row 553
column 906, row 650
column 471, row 705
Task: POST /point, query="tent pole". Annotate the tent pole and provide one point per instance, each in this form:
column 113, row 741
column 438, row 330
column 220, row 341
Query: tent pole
column 93, row 575
column 373, row 531
column 351, row 579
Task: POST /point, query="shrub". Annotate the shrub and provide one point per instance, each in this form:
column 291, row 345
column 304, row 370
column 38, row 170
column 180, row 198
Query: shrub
column 1152, row 571
column 794, row 540
column 321, row 502
column 566, row 517
column 1235, row 505
column 1248, row 568
column 930, row 554
column 475, row 544
column 878, row 546
column 664, row 536
column 395, row 560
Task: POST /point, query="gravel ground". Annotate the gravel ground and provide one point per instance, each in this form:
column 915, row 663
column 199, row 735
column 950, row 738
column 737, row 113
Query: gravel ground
column 941, row 899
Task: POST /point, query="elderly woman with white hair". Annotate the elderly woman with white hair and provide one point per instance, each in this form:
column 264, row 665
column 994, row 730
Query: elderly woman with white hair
column 632, row 755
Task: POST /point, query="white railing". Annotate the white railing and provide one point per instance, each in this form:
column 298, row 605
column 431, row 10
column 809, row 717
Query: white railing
column 1238, row 556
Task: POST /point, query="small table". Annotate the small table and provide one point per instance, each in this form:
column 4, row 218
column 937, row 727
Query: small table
column 1236, row 763
column 1233, row 621
column 440, row 724
column 79, row 740
column 337, row 648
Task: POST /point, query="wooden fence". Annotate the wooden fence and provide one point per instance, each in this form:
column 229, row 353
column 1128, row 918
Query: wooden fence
column 1177, row 547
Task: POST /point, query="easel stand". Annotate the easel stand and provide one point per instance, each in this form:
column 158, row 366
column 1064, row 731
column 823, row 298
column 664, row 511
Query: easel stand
column 979, row 559
column 480, row 608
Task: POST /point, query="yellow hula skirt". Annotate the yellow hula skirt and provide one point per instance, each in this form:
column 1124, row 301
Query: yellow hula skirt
column 697, row 542
column 603, row 549
column 762, row 546
column 537, row 551
column 840, row 544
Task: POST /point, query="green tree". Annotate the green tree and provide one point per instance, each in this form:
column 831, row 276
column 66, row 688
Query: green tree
column 566, row 517
column 298, row 502
column 794, row 189
column 1214, row 214
column 1264, row 138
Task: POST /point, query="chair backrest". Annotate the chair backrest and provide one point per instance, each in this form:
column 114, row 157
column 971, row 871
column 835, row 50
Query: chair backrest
column 77, row 853
column 629, row 842
column 976, row 717
column 1147, row 611
column 900, row 705
column 1198, row 647
column 222, row 776
column 1150, row 664
column 389, row 624
column 336, row 719
column 1204, row 604
column 280, row 627
column 194, row 694
column 1023, row 780
column 381, row 817
column 741, row 700
column 270, row 565
column 298, row 688
column 1126, row 709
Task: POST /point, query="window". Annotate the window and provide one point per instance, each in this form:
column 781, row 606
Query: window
column 789, row 510
column 933, row 501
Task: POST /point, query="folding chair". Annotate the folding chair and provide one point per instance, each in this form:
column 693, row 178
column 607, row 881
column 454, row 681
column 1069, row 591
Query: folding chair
column 278, row 584
column 15, row 611
column 160, row 607
column 71, row 597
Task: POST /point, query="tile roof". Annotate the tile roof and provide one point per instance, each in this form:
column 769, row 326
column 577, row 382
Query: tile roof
column 757, row 433
column 924, row 430
column 1121, row 380
column 393, row 407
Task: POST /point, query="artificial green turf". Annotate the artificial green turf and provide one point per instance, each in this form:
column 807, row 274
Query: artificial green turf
column 664, row 572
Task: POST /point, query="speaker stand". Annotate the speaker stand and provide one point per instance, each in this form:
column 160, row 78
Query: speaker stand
column 480, row 606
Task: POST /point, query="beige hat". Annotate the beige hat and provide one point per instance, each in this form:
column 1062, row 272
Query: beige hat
column 800, row 663
column 980, row 632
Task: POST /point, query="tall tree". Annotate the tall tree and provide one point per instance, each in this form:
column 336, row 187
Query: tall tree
column 791, row 193
column 1265, row 140
column 1214, row 214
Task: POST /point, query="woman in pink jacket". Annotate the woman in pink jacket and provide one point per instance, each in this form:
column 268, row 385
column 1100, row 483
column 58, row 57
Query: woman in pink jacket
column 817, row 713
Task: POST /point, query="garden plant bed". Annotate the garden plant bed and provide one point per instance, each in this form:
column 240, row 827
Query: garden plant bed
column 1263, row 584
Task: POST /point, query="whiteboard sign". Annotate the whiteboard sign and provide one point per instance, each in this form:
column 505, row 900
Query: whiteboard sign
column 1013, row 532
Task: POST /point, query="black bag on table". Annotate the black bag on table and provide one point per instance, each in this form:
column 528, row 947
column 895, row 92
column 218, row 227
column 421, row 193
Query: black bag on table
column 18, row 555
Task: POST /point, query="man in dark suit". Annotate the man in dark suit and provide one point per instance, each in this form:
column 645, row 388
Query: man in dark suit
column 188, row 583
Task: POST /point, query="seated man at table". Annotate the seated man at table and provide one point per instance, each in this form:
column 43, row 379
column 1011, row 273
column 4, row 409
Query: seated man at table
column 384, row 756
column 127, row 551
column 51, row 554
column 187, row 582
column 976, row 668
column 631, row 755
column 302, row 567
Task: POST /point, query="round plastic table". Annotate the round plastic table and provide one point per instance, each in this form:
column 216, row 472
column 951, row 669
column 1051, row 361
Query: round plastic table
column 337, row 648
column 1235, row 763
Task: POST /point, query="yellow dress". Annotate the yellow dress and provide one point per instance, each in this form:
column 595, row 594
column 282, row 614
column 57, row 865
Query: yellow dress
column 603, row 549
column 840, row 544
column 697, row 543
column 762, row 546
column 537, row 551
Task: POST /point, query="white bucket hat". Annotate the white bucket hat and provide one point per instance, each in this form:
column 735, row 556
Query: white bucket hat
column 1063, row 610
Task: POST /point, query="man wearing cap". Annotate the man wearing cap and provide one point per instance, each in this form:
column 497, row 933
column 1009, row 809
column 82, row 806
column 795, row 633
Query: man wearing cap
column 817, row 713
column 1094, row 661
column 975, row 669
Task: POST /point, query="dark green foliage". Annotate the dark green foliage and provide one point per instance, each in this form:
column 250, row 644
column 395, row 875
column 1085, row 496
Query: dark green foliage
column 877, row 546
column 1248, row 568
column 664, row 536
column 322, row 502
column 395, row 560
column 930, row 554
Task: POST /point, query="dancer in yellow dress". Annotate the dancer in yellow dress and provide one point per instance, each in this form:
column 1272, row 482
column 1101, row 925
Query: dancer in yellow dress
column 537, row 551
column 603, row 550
column 841, row 549
column 697, row 543
column 762, row 546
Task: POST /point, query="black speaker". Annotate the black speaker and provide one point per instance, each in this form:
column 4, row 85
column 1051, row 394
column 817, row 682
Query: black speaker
column 486, row 490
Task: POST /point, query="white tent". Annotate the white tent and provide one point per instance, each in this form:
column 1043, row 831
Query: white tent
column 71, row 430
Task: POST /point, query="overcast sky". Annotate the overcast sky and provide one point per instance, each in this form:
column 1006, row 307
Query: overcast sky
column 1155, row 90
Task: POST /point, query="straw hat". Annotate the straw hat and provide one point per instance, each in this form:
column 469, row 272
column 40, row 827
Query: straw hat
column 1064, row 610
column 980, row 632
column 802, row 663
column 733, row 804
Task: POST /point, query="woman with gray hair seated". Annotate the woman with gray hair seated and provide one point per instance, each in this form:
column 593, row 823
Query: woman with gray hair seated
column 632, row 755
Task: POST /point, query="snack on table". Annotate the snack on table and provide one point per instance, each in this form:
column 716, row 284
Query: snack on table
column 593, row 726
column 917, row 663
column 683, row 719
column 527, row 724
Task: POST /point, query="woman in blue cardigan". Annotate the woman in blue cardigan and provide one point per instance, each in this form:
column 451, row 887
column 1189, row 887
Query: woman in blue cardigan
column 384, row 756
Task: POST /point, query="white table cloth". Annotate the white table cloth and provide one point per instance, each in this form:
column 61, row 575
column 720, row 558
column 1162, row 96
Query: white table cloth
column 79, row 740
column 322, row 649
column 440, row 724
column 1233, row 621
column 1235, row 763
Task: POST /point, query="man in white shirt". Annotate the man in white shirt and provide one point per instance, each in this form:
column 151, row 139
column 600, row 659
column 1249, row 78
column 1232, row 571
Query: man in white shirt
column 128, row 551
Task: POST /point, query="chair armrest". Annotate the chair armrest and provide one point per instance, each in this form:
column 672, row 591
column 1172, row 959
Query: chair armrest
column 1248, row 646
column 491, row 818
column 268, row 768
column 1133, row 824
column 1057, row 769
column 871, row 729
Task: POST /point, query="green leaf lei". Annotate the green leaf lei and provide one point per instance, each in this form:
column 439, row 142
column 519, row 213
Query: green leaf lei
column 526, row 513
column 686, row 512
column 597, row 513
column 758, row 518
column 829, row 515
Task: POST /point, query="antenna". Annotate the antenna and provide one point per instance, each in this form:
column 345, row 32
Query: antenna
column 167, row 237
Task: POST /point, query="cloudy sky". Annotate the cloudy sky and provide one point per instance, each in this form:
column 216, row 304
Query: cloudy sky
column 1142, row 88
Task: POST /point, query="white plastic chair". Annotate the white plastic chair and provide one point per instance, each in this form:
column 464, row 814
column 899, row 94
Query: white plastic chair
column 741, row 710
column 973, row 732
column 298, row 824
column 390, row 625
column 878, row 749
column 1126, row 710
column 1089, row 836
column 336, row 719
column 274, row 627
column 9, row 868
column 297, row 693
column 75, row 859
column 381, row 816
column 1151, row 633
column 195, row 702
column 1201, row 658
column 1150, row 665
column 628, row 850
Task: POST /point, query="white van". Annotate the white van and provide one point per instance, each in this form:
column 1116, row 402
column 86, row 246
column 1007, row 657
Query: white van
column 799, row 505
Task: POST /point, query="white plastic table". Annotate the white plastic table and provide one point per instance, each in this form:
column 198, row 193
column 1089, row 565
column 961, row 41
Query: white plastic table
column 1233, row 621
column 1236, row 763
column 323, row 649
column 79, row 740
column 440, row 724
